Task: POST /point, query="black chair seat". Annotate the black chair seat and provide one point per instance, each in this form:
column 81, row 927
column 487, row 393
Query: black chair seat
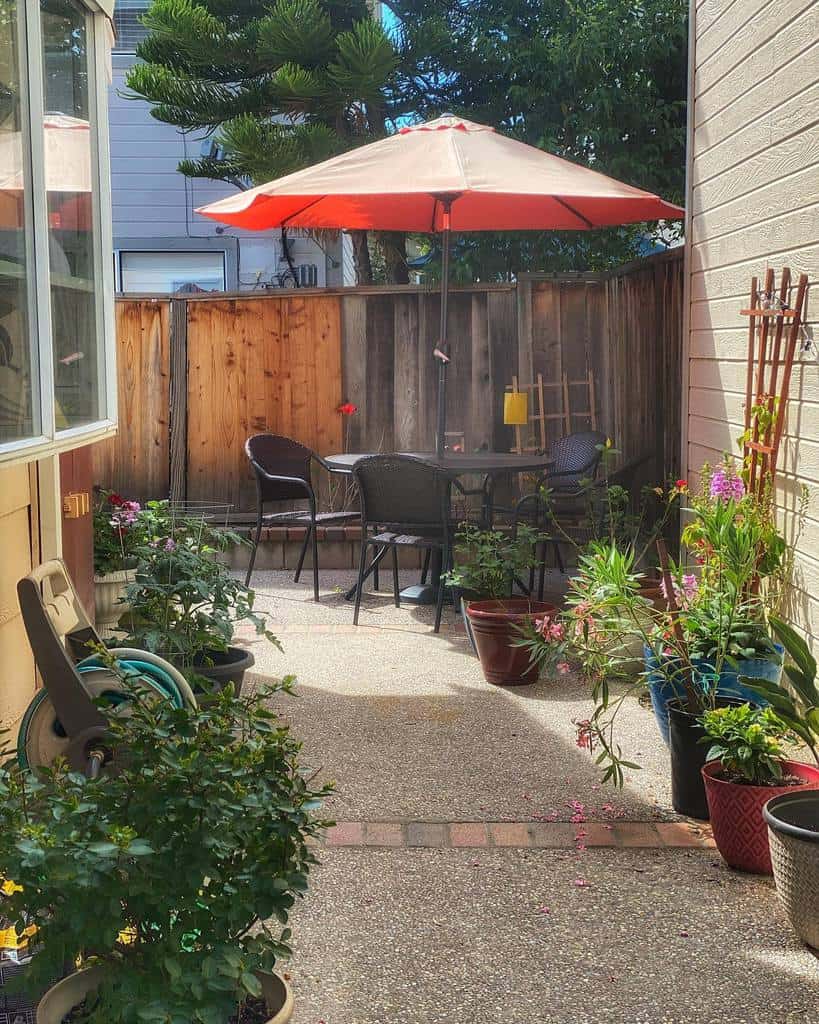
column 306, row 517
column 409, row 540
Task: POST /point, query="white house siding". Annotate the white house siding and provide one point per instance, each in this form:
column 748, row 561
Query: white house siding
column 753, row 203
column 153, row 201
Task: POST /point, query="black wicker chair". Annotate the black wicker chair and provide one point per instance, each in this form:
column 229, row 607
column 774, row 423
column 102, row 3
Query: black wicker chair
column 404, row 504
column 575, row 461
column 282, row 467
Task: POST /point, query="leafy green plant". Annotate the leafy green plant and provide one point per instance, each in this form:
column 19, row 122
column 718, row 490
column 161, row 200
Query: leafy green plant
column 798, row 704
column 748, row 742
column 177, row 871
column 184, row 603
column 119, row 530
column 488, row 561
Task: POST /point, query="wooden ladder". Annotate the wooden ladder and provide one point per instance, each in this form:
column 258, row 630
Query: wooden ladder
column 765, row 406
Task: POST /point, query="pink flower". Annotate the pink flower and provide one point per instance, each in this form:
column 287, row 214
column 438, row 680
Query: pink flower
column 727, row 487
column 170, row 544
column 563, row 667
column 581, row 883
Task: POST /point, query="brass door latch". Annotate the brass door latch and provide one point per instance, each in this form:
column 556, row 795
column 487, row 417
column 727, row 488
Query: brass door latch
column 76, row 505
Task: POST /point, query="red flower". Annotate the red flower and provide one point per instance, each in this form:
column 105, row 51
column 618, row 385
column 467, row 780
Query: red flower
column 681, row 485
column 347, row 409
column 116, row 500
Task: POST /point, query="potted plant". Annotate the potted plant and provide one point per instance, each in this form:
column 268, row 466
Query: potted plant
column 185, row 603
column 747, row 767
column 793, row 818
column 712, row 630
column 488, row 562
column 169, row 880
column 118, row 532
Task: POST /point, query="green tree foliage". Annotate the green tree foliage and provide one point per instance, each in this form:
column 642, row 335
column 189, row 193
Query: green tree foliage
column 600, row 82
column 280, row 84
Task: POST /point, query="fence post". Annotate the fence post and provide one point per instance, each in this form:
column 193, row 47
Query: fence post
column 179, row 400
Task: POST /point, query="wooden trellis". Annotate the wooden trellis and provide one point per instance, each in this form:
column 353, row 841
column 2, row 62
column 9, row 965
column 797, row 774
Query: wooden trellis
column 538, row 417
column 769, row 371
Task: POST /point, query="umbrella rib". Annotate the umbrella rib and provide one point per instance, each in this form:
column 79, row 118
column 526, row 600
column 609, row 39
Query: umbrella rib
column 576, row 213
column 298, row 213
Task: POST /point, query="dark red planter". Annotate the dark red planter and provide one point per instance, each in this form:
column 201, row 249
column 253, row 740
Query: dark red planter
column 493, row 626
column 740, row 831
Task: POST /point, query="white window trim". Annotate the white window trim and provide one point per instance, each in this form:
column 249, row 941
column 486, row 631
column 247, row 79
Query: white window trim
column 50, row 441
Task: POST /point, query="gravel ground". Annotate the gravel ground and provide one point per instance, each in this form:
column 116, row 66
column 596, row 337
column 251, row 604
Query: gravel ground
column 405, row 724
column 451, row 937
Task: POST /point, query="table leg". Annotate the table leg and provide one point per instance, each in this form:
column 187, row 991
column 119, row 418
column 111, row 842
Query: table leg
column 379, row 555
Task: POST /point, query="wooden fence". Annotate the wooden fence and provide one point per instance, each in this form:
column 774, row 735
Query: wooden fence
column 199, row 374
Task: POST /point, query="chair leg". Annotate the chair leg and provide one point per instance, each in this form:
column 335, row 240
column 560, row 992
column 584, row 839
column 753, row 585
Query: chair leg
column 439, row 604
column 302, row 553
column 362, row 565
column 559, row 558
column 256, row 540
column 395, row 592
column 425, row 570
column 374, row 567
column 315, row 564
column 541, row 576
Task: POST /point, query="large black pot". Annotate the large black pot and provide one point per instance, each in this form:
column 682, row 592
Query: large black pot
column 223, row 667
column 688, row 756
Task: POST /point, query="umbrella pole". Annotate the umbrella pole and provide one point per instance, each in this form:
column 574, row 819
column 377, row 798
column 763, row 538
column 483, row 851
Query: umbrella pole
column 442, row 350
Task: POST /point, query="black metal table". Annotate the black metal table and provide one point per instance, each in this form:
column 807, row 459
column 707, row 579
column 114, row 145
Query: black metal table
column 488, row 463
column 485, row 463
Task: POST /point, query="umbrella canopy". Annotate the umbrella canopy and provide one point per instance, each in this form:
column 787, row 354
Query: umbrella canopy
column 447, row 175
column 396, row 184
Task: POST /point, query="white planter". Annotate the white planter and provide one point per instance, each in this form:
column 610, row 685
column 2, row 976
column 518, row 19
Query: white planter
column 108, row 590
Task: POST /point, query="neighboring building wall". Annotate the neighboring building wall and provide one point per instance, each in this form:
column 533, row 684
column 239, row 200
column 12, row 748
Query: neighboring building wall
column 153, row 204
column 753, row 167
column 15, row 543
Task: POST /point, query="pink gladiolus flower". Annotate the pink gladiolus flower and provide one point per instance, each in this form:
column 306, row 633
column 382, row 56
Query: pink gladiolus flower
column 726, row 487
column 170, row 544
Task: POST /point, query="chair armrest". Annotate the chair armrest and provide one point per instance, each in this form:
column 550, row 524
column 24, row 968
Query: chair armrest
column 277, row 479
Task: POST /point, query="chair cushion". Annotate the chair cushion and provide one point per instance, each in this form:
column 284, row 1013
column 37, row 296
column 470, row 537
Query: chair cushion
column 304, row 517
column 408, row 540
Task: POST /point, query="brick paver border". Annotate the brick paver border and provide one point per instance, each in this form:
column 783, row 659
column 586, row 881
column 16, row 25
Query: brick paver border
column 555, row 835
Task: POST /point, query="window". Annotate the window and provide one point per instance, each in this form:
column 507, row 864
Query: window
column 171, row 271
column 56, row 303
column 71, row 228
column 19, row 402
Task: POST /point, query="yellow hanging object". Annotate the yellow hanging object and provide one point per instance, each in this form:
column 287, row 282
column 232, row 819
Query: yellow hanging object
column 516, row 408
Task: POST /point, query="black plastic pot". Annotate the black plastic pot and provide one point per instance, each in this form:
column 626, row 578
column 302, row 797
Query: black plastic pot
column 225, row 667
column 688, row 756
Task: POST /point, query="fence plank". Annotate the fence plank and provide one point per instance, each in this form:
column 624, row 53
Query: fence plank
column 405, row 372
column 135, row 462
column 179, row 400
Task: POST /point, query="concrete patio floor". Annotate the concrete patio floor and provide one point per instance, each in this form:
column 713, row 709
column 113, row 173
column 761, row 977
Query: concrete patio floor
column 405, row 924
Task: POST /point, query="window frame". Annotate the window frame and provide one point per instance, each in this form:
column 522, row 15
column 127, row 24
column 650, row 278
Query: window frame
column 50, row 440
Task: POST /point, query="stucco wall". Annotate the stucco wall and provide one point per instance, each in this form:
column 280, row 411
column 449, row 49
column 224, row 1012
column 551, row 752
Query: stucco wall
column 754, row 203
column 17, row 679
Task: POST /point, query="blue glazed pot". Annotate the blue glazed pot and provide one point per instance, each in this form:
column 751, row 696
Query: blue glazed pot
column 663, row 690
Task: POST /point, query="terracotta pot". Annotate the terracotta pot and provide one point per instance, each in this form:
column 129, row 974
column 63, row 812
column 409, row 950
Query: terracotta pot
column 61, row 998
column 494, row 629
column 739, row 828
column 793, row 832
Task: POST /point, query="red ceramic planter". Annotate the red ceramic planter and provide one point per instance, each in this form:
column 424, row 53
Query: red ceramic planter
column 494, row 627
column 740, row 831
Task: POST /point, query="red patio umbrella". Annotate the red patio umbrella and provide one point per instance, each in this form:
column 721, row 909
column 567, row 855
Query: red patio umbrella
column 446, row 175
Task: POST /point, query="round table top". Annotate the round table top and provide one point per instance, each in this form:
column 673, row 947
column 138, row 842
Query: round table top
column 454, row 463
